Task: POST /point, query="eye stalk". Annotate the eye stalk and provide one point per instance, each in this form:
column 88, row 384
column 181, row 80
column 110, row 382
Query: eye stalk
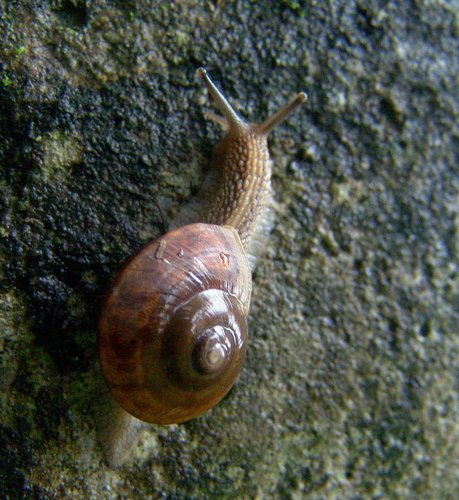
column 235, row 121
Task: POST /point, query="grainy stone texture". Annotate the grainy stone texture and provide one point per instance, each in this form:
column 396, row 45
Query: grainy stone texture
column 350, row 388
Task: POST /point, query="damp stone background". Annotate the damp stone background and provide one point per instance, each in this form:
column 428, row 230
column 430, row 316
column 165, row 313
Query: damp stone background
column 350, row 386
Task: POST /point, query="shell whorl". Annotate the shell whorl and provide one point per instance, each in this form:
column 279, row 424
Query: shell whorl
column 172, row 334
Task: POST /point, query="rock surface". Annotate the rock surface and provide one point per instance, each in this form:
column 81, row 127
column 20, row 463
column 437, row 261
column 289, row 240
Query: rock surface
column 350, row 387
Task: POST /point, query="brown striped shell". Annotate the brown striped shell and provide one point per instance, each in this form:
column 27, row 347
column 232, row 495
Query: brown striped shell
column 173, row 330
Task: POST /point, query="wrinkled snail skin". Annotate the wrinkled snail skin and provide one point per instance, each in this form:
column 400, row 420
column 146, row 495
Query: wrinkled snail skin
column 118, row 432
column 173, row 328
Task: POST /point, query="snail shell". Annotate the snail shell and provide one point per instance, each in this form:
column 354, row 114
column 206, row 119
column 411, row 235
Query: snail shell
column 173, row 332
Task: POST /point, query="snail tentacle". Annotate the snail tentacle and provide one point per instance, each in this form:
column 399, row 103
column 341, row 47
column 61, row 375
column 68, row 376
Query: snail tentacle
column 234, row 120
column 280, row 115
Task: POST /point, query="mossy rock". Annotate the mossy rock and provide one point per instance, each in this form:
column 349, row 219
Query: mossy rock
column 350, row 384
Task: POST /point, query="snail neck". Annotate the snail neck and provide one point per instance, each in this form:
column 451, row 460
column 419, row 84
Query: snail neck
column 238, row 196
column 242, row 183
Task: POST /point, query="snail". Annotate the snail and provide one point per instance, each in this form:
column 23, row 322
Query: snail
column 173, row 328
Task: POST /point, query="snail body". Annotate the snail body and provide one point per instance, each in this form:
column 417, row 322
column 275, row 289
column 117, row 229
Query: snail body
column 173, row 329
